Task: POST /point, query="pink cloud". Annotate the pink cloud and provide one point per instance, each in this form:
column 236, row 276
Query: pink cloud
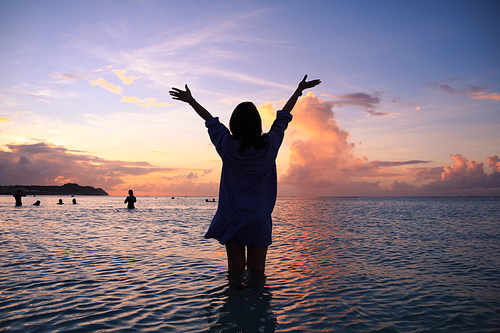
column 465, row 176
column 494, row 162
column 46, row 164
column 402, row 188
column 461, row 168
column 423, row 173
column 324, row 159
column 323, row 162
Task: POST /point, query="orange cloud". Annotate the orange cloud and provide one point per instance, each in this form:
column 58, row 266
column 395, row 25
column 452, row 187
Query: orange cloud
column 318, row 159
column 105, row 67
column 483, row 95
column 107, row 85
column 125, row 79
column 4, row 119
column 267, row 114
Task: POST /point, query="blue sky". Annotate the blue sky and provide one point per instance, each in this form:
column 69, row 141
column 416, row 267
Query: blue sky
column 413, row 85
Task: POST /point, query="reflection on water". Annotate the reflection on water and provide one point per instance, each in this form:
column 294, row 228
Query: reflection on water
column 336, row 264
column 246, row 307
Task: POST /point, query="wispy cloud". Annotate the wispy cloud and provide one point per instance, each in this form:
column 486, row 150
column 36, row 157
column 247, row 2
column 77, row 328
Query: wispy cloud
column 76, row 75
column 47, row 95
column 244, row 78
column 475, row 92
column 14, row 61
column 174, row 54
column 145, row 103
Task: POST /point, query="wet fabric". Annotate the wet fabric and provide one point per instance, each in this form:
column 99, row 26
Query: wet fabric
column 248, row 185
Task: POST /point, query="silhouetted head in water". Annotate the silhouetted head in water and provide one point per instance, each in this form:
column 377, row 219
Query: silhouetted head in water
column 130, row 192
column 246, row 125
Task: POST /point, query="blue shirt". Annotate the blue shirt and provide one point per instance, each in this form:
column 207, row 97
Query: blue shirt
column 248, row 185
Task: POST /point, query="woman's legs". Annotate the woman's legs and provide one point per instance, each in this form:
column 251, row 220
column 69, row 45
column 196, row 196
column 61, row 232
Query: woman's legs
column 256, row 259
column 235, row 257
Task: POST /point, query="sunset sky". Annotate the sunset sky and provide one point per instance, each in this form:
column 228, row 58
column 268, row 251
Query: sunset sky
column 409, row 102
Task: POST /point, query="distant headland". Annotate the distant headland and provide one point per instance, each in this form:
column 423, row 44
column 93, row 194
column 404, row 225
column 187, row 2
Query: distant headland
column 66, row 189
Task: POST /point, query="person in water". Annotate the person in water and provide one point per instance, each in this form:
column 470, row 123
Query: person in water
column 18, row 195
column 130, row 200
column 248, row 185
column 36, row 203
column 74, row 201
column 60, row 202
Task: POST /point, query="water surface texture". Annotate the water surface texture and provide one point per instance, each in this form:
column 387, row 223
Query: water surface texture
column 336, row 264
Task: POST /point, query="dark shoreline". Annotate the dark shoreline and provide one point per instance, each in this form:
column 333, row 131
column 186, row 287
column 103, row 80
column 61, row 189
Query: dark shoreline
column 66, row 189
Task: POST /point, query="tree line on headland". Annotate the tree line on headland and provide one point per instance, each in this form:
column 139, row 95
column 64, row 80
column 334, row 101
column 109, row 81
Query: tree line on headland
column 66, row 189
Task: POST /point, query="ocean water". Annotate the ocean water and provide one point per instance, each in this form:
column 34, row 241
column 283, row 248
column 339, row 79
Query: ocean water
column 336, row 264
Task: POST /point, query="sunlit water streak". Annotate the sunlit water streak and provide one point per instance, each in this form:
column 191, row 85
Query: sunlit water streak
column 337, row 264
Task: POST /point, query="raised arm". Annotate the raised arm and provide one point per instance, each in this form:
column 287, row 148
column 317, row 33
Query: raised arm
column 302, row 86
column 185, row 96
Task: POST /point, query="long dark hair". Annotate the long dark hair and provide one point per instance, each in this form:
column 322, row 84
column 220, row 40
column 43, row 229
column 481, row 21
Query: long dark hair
column 245, row 124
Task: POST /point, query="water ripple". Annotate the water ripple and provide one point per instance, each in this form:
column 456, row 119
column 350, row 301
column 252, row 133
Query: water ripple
column 336, row 264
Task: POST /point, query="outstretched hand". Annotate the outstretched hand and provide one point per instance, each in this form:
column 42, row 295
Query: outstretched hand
column 308, row 84
column 181, row 95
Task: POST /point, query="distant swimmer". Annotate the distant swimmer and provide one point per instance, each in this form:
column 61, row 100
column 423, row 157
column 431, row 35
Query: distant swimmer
column 60, row 202
column 18, row 197
column 37, row 203
column 74, row 201
column 130, row 200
